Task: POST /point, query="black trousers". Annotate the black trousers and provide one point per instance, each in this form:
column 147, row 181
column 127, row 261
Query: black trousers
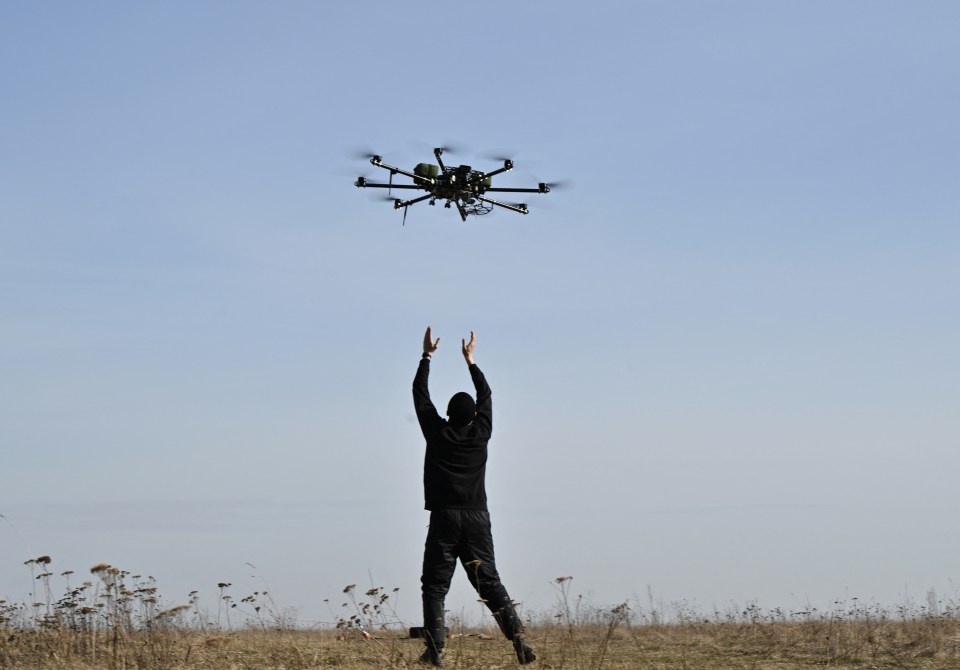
column 462, row 534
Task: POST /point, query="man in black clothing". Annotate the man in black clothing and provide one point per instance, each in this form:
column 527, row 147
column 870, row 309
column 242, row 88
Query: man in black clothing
column 453, row 482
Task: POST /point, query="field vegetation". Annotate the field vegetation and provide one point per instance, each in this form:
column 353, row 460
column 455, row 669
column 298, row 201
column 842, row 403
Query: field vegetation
column 115, row 620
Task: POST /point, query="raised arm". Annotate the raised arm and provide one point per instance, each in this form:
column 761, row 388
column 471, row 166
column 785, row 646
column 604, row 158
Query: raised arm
column 427, row 415
column 484, row 400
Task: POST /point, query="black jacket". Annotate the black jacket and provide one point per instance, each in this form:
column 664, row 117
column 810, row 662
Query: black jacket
column 455, row 464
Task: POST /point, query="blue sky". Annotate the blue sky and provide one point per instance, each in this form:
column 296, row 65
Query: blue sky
column 723, row 363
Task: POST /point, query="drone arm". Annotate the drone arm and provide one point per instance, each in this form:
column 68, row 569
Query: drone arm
column 522, row 209
column 380, row 164
column 507, row 166
column 543, row 188
column 437, row 152
column 404, row 203
column 363, row 183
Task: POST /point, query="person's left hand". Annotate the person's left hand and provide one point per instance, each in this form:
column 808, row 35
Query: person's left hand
column 468, row 348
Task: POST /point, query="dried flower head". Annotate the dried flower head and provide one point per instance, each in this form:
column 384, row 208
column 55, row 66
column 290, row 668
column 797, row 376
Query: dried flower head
column 173, row 611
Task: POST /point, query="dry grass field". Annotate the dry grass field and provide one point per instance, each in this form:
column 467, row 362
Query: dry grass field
column 115, row 621
column 781, row 646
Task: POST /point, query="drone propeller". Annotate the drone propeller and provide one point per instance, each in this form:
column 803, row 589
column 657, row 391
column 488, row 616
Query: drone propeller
column 561, row 185
column 396, row 202
column 367, row 154
column 363, row 153
column 499, row 156
column 420, row 147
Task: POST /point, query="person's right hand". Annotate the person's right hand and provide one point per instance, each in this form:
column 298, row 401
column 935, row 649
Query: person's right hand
column 429, row 346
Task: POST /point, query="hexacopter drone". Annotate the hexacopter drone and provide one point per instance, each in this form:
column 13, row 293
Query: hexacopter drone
column 462, row 186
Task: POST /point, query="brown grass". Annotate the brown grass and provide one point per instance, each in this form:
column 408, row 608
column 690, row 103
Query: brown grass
column 780, row 646
column 118, row 621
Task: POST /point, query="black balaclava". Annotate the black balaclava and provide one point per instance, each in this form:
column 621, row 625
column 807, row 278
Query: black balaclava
column 461, row 408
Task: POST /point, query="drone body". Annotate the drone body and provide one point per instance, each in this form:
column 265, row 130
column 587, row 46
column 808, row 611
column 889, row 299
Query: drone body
column 461, row 186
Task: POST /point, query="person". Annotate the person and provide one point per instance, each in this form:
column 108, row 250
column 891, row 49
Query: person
column 454, row 470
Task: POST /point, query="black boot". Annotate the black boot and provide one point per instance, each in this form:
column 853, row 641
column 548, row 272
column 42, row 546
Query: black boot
column 524, row 651
column 434, row 633
column 512, row 628
column 432, row 656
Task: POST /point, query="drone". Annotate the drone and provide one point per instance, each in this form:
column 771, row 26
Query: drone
column 461, row 186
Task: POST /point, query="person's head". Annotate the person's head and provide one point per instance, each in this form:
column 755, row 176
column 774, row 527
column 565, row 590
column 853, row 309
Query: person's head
column 461, row 409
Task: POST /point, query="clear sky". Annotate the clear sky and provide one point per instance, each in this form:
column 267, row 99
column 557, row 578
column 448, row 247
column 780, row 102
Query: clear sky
column 724, row 364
